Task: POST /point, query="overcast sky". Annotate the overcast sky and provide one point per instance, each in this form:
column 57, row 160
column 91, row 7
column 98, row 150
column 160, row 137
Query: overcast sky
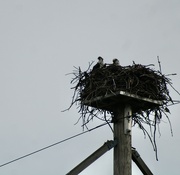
column 41, row 41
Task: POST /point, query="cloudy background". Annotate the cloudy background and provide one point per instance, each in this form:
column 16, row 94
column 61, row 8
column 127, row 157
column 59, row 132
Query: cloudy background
column 41, row 41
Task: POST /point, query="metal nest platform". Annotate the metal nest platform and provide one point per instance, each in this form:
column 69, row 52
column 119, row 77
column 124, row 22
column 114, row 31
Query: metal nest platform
column 111, row 101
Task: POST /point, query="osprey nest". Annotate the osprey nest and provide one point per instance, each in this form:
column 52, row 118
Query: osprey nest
column 96, row 93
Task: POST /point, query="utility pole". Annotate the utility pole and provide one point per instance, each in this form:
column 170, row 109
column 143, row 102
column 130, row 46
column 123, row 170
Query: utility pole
column 122, row 134
column 121, row 104
column 127, row 93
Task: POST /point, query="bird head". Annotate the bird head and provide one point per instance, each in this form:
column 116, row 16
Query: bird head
column 100, row 60
column 116, row 62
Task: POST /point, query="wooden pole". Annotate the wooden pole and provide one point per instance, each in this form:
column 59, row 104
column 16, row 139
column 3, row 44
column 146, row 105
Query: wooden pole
column 122, row 133
column 93, row 157
column 140, row 163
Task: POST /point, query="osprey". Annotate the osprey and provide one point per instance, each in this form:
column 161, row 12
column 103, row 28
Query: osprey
column 115, row 62
column 99, row 64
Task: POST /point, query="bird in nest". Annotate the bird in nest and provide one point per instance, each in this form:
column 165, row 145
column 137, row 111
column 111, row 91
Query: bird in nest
column 116, row 62
column 99, row 64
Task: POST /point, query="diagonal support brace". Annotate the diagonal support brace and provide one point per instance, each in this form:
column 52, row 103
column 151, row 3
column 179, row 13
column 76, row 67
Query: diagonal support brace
column 93, row 157
column 140, row 163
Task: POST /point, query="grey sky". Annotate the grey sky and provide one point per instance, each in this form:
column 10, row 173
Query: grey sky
column 41, row 41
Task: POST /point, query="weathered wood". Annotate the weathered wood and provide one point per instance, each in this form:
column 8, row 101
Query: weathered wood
column 93, row 157
column 140, row 163
column 122, row 151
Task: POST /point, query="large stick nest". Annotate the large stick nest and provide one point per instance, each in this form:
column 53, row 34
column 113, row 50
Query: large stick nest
column 137, row 79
